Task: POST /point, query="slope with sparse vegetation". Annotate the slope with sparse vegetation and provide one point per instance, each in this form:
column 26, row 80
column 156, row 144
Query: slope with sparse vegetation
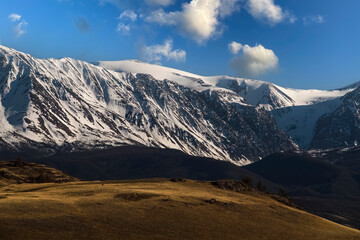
column 154, row 209
column 25, row 172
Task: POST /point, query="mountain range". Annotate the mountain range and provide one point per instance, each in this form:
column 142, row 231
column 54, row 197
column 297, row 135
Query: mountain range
column 65, row 105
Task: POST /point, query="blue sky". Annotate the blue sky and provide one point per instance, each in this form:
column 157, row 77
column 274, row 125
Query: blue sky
column 299, row 44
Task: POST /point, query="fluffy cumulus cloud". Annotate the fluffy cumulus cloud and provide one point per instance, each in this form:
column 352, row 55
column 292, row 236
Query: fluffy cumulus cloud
column 157, row 53
column 198, row 19
column 252, row 61
column 268, row 12
column 19, row 28
column 128, row 14
column 313, row 19
column 235, row 47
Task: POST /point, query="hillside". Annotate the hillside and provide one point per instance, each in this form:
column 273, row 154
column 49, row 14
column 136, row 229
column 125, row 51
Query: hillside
column 330, row 190
column 132, row 162
column 25, row 172
column 295, row 169
column 153, row 209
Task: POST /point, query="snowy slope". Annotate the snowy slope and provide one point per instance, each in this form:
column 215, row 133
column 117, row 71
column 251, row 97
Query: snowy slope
column 255, row 93
column 296, row 111
column 300, row 121
column 65, row 104
column 341, row 127
column 69, row 104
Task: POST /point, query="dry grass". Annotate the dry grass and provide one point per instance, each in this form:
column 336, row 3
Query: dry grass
column 25, row 172
column 157, row 209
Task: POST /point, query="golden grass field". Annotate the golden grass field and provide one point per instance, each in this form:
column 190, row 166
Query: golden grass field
column 153, row 209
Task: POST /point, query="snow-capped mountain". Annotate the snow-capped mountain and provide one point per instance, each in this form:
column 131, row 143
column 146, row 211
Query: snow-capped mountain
column 72, row 104
column 250, row 92
column 50, row 104
column 295, row 111
column 341, row 127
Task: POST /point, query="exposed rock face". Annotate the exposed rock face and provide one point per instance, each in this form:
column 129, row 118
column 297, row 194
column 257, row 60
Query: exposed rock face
column 50, row 105
column 340, row 128
column 296, row 111
column 71, row 105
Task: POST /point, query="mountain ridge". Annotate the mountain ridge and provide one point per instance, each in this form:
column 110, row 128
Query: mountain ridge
column 290, row 107
column 68, row 101
column 54, row 103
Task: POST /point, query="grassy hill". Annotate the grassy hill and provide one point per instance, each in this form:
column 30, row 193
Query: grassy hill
column 153, row 209
column 25, row 172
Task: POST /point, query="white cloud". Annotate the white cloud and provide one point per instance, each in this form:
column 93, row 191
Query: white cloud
column 161, row 17
column 268, row 11
column 129, row 17
column 228, row 7
column 128, row 14
column 254, row 61
column 123, row 29
column 19, row 28
column 162, row 3
column 14, row 17
column 156, row 53
column 199, row 19
column 235, row 47
column 313, row 19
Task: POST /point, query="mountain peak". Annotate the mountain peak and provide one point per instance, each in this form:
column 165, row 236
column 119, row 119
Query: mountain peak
column 74, row 105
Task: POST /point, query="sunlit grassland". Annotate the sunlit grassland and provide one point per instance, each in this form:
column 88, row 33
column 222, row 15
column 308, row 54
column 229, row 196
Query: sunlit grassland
column 153, row 209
